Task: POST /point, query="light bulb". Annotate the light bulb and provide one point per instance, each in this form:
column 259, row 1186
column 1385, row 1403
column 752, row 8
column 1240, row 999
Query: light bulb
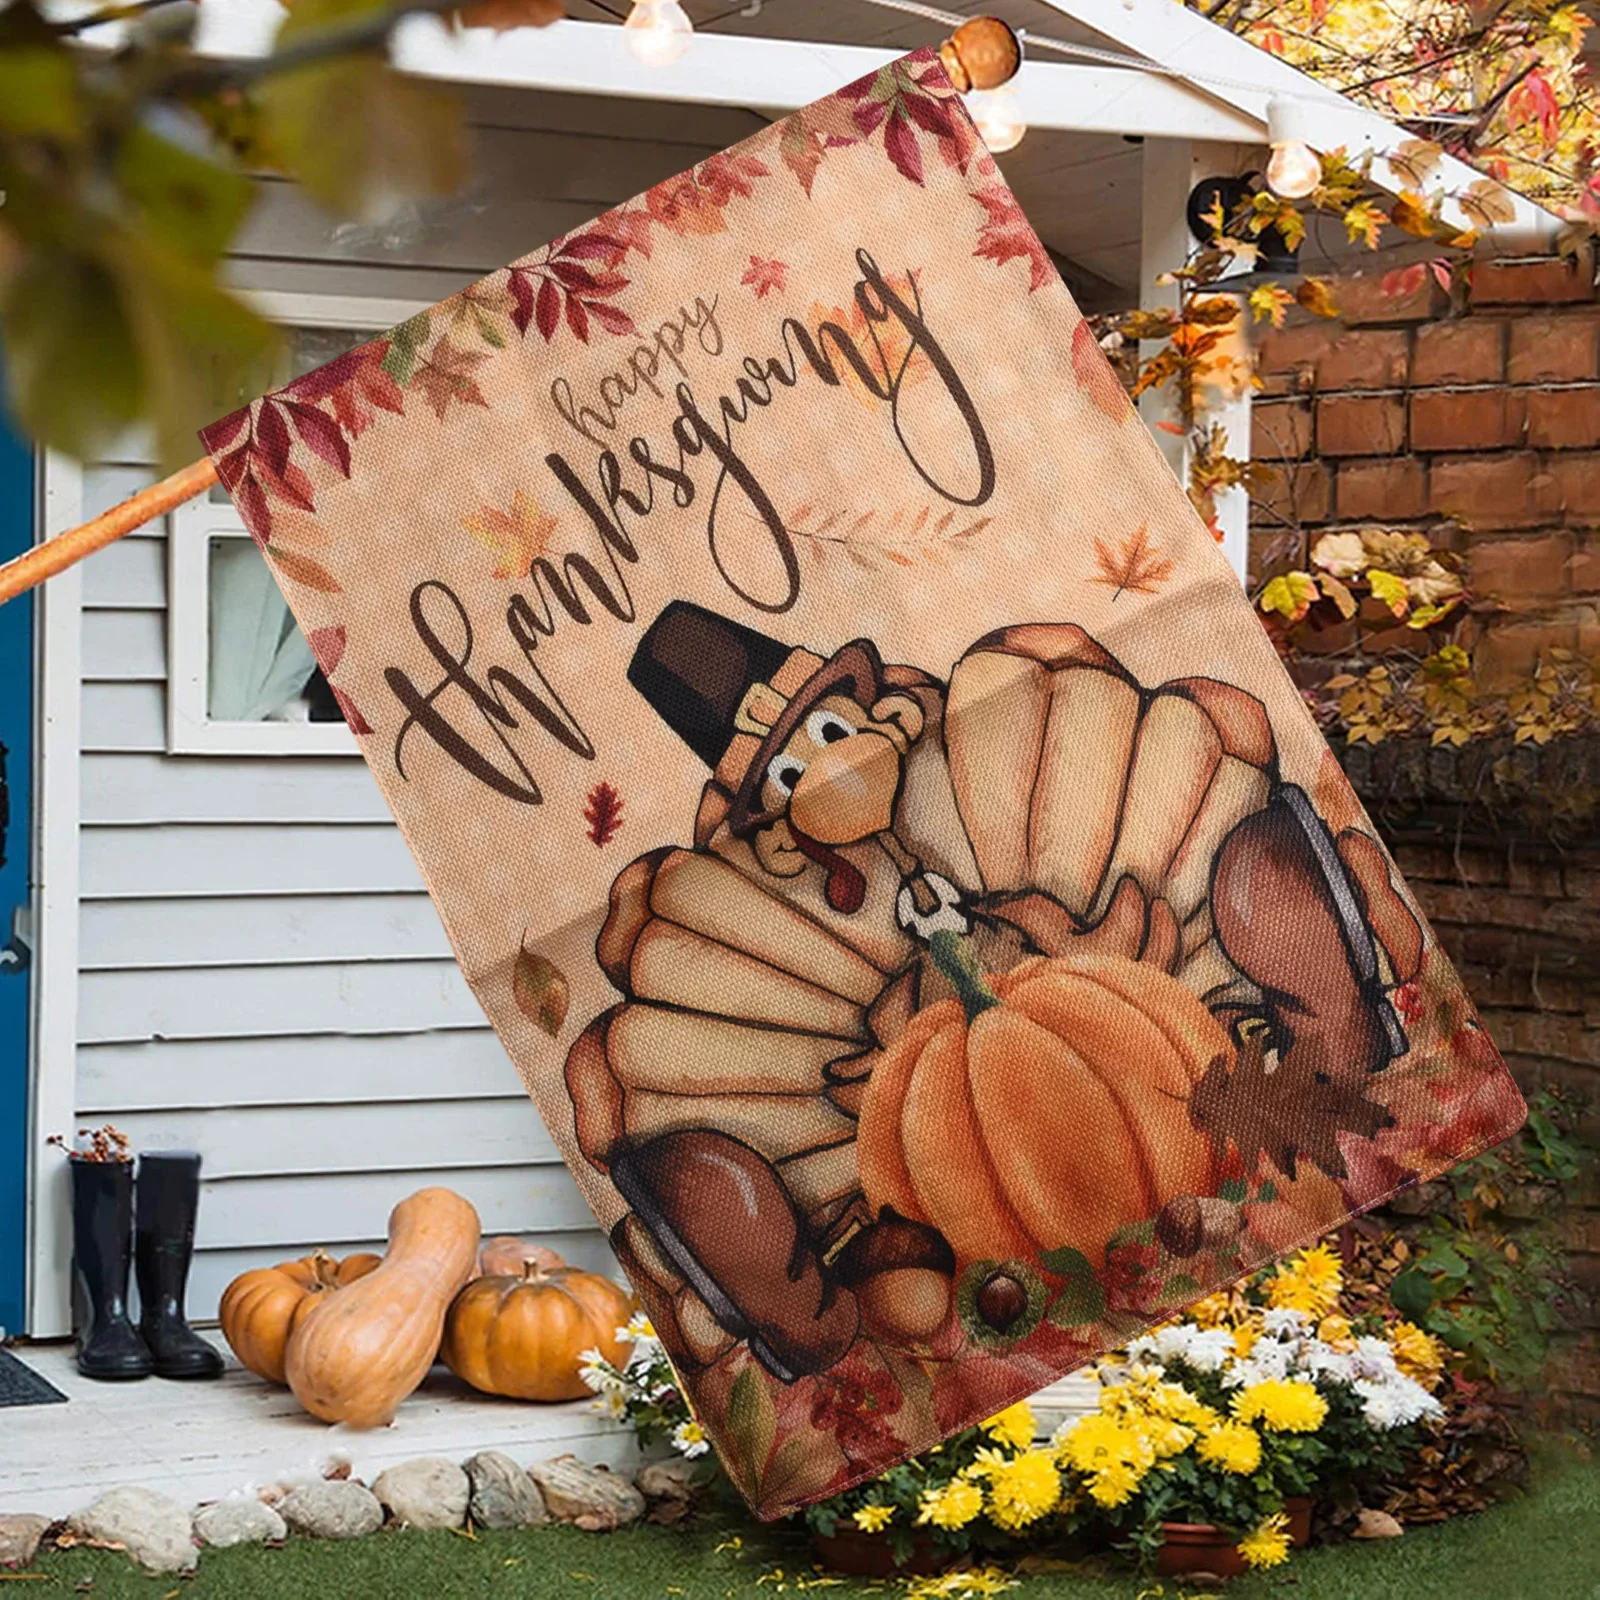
column 1294, row 170
column 659, row 31
column 998, row 115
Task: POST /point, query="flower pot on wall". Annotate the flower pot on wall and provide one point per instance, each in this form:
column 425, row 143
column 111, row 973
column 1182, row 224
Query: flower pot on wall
column 859, row 1554
column 1298, row 1509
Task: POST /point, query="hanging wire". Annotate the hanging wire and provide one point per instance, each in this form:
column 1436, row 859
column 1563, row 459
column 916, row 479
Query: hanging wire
column 1127, row 63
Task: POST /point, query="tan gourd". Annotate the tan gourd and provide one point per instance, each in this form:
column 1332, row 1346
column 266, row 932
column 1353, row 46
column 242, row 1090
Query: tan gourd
column 505, row 1253
column 523, row 1334
column 359, row 1352
column 261, row 1308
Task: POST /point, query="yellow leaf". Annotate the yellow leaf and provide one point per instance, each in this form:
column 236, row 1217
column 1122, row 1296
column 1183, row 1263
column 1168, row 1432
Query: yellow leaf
column 1412, row 214
column 1363, row 222
column 541, row 990
column 1337, row 592
column 1389, row 589
column 1270, row 302
column 517, row 537
column 1290, row 595
column 1316, row 296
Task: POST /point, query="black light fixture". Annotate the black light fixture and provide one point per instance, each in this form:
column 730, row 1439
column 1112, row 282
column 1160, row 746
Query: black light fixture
column 1274, row 258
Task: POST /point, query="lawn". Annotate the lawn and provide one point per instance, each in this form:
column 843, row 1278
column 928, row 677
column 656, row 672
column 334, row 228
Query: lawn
column 1544, row 1546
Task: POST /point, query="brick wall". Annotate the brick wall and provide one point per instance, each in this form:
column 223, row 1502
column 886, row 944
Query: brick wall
column 1477, row 420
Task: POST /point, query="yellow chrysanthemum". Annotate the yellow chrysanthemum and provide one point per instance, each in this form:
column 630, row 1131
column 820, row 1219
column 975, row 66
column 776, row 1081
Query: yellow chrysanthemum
column 1284, row 1405
column 1336, row 1331
column 1268, row 1545
column 1113, row 1484
column 953, row 1506
column 1232, row 1446
column 1093, row 1441
column 1417, row 1354
column 1310, row 1283
column 1013, row 1426
column 1022, row 1489
column 873, row 1519
column 1211, row 1312
column 1244, row 1339
column 1165, row 1437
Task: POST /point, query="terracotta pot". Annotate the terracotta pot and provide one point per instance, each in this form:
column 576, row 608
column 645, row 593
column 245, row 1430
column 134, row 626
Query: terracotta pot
column 1299, row 1508
column 1193, row 1547
column 869, row 1555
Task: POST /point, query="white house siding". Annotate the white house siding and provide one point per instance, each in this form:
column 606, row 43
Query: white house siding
column 261, row 975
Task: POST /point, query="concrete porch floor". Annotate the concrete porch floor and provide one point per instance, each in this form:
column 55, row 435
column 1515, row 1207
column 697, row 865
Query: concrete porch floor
column 205, row 1441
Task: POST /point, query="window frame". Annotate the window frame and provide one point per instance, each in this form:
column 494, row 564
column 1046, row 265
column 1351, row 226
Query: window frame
column 191, row 731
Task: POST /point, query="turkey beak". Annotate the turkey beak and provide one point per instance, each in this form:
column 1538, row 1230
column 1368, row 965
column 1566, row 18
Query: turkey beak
column 848, row 789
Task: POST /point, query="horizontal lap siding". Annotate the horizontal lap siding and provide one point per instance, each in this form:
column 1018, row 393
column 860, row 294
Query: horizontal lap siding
column 262, row 976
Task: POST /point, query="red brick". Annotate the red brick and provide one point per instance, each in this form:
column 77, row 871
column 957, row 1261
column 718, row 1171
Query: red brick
column 1545, row 280
column 1497, row 491
column 1361, row 425
column 1460, row 350
column 1363, row 299
column 1519, row 570
column 1383, row 490
column 1575, row 485
column 1280, row 430
column 1287, row 358
column 1552, row 348
column 1583, row 572
column 1296, row 494
column 1507, row 653
column 1465, row 419
column 1366, row 358
column 1564, row 419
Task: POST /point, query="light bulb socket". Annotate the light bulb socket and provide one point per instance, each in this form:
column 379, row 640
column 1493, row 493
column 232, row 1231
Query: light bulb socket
column 1288, row 121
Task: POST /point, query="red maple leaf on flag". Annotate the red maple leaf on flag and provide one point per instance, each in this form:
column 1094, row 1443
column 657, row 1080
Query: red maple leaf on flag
column 765, row 275
column 1007, row 235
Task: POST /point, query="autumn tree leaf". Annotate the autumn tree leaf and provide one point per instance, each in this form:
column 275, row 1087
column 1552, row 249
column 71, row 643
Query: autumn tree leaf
column 1316, row 296
column 517, row 536
column 1290, row 594
column 445, row 374
column 1363, row 222
column 1390, row 589
column 1135, row 564
column 541, row 990
column 1270, row 302
column 764, row 276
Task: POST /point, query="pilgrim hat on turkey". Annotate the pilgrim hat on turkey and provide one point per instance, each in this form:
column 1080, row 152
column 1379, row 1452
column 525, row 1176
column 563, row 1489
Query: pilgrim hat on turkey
column 734, row 696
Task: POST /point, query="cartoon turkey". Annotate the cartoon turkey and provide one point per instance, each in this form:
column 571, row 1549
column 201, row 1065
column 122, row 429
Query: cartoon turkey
column 956, row 969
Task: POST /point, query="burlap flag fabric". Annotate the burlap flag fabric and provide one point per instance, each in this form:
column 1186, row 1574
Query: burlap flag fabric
column 857, row 789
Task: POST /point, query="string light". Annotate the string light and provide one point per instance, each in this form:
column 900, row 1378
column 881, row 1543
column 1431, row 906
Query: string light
column 1294, row 170
column 659, row 31
column 998, row 115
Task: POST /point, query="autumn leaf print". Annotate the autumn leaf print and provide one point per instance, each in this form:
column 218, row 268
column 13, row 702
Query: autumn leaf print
column 1135, row 564
column 693, row 202
column 571, row 280
column 327, row 645
column 445, row 374
column 903, row 97
column 1007, row 235
column 541, row 990
column 1094, row 373
column 763, row 276
column 603, row 813
column 805, row 138
column 516, row 536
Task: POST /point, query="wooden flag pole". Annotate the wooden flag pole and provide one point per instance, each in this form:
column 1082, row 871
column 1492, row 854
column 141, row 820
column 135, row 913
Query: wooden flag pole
column 66, row 549
column 981, row 54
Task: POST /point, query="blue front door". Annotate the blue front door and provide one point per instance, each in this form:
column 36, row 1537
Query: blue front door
column 16, row 776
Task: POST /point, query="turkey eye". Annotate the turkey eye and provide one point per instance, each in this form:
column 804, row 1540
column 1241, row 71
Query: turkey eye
column 785, row 771
column 827, row 727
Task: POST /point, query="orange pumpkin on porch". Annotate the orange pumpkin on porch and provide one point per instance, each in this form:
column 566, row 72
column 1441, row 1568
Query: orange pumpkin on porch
column 1044, row 1107
column 261, row 1308
column 523, row 1334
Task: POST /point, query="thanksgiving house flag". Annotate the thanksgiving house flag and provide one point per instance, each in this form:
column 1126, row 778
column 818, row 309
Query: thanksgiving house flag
column 856, row 787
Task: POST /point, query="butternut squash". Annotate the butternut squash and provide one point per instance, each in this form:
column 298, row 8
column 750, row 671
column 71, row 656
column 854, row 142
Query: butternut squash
column 361, row 1350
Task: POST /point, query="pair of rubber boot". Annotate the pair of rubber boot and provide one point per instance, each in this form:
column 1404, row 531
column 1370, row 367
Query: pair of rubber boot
column 107, row 1237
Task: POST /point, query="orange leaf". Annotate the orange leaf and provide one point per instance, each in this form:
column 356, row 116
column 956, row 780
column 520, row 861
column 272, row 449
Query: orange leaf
column 303, row 570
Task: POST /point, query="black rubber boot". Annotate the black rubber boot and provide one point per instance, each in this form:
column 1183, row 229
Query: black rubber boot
column 109, row 1346
column 169, row 1194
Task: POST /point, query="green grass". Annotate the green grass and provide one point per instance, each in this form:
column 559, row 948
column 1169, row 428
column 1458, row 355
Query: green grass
column 1543, row 1546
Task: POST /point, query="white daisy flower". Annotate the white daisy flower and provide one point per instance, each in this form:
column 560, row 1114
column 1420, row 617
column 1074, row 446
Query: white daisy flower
column 1209, row 1349
column 1279, row 1322
column 689, row 1439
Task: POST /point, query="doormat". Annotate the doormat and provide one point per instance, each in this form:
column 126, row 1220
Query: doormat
column 20, row 1385
column 857, row 788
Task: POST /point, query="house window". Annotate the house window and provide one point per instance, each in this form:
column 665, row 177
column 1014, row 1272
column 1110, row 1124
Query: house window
column 241, row 679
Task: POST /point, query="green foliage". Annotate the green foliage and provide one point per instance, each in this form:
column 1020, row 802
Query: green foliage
column 1487, row 1275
